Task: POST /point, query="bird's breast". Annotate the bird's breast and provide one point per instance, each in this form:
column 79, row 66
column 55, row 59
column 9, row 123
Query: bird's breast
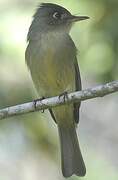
column 52, row 68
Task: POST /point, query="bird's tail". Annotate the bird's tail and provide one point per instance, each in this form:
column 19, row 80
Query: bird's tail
column 72, row 161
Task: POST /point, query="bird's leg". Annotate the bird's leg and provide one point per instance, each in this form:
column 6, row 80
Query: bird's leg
column 35, row 102
column 64, row 95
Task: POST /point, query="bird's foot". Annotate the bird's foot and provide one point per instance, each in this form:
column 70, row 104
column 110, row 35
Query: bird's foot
column 35, row 102
column 64, row 95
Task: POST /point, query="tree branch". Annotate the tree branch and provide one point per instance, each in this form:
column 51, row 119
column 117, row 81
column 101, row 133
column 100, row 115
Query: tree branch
column 90, row 93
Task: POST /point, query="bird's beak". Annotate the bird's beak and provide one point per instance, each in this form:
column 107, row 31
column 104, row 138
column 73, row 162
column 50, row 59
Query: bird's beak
column 78, row 18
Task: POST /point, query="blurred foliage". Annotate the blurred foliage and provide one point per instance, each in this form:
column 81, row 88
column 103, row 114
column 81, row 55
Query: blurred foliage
column 97, row 41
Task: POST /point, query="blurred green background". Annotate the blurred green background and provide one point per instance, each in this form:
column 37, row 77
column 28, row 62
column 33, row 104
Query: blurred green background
column 29, row 147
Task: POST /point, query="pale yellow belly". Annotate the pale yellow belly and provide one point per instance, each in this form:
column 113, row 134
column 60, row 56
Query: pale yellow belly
column 52, row 78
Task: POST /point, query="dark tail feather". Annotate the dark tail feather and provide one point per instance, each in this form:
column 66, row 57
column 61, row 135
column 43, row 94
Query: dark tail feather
column 72, row 161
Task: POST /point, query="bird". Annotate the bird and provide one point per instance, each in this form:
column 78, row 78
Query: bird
column 51, row 57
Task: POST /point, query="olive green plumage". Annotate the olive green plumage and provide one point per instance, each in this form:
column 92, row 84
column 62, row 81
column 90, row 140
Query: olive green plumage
column 51, row 59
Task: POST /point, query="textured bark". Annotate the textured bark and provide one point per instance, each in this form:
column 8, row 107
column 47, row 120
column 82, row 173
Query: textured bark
column 98, row 91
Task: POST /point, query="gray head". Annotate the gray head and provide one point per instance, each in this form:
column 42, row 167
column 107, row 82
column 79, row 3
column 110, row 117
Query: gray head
column 51, row 17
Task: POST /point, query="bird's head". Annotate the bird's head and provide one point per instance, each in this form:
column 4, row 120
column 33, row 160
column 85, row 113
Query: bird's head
column 52, row 17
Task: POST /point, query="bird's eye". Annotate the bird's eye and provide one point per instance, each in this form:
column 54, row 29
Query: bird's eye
column 56, row 15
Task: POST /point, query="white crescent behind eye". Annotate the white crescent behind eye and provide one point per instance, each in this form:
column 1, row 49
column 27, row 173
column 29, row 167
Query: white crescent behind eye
column 56, row 15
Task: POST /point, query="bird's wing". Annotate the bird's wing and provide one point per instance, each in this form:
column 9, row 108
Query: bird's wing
column 78, row 88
